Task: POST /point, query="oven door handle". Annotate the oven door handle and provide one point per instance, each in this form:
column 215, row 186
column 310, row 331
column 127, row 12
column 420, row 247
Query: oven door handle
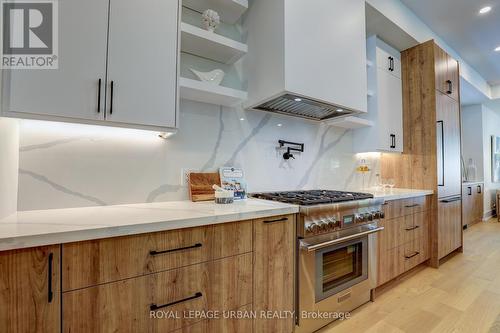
column 314, row 247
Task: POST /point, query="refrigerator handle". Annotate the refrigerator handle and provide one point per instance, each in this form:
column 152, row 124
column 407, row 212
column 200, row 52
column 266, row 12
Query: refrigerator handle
column 440, row 153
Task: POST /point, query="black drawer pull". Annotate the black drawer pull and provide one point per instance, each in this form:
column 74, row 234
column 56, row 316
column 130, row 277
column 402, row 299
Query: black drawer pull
column 412, row 206
column 479, row 189
column 277, row 220
column 450, row 87
column 50, row 293
column 470, row 190
column 154, row 253
column 412, row 228
column 154, row 307
column 412, row 255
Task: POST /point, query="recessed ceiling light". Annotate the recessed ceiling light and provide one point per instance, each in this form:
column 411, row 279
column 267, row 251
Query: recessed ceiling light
column 279, row 125
column 298, row 100
column 497, row 49
column 242, row 119
column 485, row 10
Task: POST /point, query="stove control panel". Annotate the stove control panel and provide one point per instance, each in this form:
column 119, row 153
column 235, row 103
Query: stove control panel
column 329, row 224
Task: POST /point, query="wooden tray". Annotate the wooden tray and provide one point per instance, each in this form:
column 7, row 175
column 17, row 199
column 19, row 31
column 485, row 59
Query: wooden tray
column 200, row 185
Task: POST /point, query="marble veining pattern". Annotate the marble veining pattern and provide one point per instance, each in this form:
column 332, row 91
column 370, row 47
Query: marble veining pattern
column 65, row 165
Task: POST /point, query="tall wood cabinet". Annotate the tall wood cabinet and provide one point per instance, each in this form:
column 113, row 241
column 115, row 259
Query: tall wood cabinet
column 431, row 154
column 30, row 290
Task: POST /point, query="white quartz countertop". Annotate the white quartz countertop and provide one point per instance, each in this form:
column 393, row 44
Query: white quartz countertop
column 472, row 183
column 55, row 226
column 396, row 193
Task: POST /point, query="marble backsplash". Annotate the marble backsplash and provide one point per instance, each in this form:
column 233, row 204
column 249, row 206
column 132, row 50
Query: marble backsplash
column 67, row 165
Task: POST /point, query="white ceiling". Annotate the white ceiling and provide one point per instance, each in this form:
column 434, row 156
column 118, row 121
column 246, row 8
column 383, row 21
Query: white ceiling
column 472, row 35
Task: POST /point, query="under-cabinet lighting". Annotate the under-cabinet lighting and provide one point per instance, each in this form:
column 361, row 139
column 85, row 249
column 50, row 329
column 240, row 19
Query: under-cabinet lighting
column 340, row 110
column 52, row 128
column 298, row 99
column 485, row 10
column 370, row 155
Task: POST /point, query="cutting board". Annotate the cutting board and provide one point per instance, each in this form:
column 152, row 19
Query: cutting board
column 200, row 185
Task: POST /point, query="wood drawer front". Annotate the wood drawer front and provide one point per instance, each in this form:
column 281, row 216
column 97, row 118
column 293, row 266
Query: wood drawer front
column 422, row 204
column 222, row 325
column 414, row 227
column 397, row 208
column 96, row 262
column 415, row 253
column 124, row 306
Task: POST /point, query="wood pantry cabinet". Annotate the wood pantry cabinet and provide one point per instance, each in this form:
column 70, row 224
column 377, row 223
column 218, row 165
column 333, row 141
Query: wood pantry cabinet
column 432, row 140
column 155, row 282
column 404, row 243
column 117, row 69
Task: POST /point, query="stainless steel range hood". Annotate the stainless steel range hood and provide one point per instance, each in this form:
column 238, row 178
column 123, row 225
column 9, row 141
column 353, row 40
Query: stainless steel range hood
column 303, row 107
column 304, row 61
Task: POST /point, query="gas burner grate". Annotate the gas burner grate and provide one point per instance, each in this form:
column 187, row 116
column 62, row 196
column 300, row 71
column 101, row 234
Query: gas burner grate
column 312, row 197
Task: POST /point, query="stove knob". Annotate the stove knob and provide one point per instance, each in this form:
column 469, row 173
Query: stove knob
column 358, row 218
column 376, row 215
column 370, row 216
column 312, row 228
column 332, row 224
column 382, row 214
column 323, row 226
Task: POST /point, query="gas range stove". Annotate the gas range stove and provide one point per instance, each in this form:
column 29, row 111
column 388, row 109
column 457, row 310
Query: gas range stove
column 312, row 197
column 329, row 212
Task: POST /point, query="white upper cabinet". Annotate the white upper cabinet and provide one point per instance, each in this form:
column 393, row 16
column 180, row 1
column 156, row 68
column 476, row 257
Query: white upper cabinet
column 133, row 44
column 72, row 90
column 142, row 62
column 316, row 51
column 385, row 105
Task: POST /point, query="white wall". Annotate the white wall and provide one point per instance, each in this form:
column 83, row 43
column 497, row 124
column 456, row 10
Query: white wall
column 472, row 138
column 66, row 165
column 491, row 126
column 9, row 157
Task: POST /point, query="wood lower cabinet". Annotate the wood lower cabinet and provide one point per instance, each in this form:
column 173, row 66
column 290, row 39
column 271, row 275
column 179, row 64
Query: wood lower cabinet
column 472, row 203
column 148, row 303
column 106, row 260
column 404, row 242
column 449, row 226
column 170, row 281
column 29, row 290
column 274, row 243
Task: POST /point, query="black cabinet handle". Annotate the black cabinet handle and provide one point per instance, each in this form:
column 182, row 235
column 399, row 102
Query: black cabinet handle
column 412, row 255
column 454, row 199
column 391, row 64
column 111, row 99
column 50, row 293
column 154, row 253
column 411, row 206
column 479, row 189
column 412, row 228
column 470, row 190
column 450, row 87
column 154, row 307
column 393, row 141
column 277, row 220
column 99, row 96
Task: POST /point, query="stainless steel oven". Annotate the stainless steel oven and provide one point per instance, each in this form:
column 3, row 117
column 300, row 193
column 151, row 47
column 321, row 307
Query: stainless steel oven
column 336, row 273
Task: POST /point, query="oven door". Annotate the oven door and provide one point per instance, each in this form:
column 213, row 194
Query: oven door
column 336, row 273
column 341, row 266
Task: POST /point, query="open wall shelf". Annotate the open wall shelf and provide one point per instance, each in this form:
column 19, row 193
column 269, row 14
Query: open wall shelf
column 209, row 93
column 229, row 11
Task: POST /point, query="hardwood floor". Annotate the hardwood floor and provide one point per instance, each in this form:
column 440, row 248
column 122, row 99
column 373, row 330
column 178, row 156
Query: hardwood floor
column 463, row 295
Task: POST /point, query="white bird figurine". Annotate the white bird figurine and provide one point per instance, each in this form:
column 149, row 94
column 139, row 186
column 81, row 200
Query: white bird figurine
column 215, row 77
